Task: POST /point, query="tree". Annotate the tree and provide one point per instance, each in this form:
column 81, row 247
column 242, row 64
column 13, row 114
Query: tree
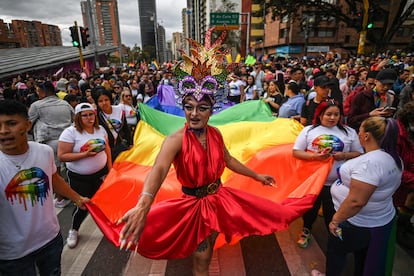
column 346, row 11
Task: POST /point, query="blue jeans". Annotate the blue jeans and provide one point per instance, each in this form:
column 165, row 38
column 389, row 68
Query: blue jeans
column 46, row 258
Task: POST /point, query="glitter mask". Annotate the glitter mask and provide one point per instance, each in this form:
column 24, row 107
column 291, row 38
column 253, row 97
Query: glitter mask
column 202, row 72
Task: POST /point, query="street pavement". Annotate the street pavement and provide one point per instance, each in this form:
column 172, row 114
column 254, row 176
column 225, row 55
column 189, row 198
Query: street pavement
column 275, row 254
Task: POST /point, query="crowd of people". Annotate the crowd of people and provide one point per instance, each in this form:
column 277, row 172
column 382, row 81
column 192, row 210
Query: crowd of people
column 358, row 111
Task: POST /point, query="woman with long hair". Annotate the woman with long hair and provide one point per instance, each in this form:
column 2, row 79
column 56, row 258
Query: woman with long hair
column 129, row 110
column 325, row 138
column 362, row 195
column 84, row 147
column 250, row 92
column 273, row 97
column 113, row 120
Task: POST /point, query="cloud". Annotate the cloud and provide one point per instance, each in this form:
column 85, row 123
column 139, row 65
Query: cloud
column 64, row 13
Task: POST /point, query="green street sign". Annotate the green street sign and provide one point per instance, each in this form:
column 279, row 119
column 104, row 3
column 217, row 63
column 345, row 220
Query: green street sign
column 224, row 18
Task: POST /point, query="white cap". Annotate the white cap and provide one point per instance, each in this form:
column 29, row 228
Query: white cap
column 83, row 107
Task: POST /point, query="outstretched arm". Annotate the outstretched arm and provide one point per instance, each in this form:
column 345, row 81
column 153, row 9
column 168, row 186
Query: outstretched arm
column 135, row 218
column 236, row 166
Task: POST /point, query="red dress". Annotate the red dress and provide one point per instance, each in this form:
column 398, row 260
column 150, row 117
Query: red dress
column 174, row 228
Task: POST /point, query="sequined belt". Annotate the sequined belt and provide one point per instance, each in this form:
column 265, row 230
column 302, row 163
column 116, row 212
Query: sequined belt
column 203, row 191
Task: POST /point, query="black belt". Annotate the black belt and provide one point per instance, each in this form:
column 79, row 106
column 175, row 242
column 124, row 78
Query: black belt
column 203, row 191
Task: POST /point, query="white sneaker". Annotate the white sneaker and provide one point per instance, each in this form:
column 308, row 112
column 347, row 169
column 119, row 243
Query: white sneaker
column 60, row 204
column 72, row 239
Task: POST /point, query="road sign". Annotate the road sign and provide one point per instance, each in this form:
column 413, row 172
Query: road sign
column 229, row 20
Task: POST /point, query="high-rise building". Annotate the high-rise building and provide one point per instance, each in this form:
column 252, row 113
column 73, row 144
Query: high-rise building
column 162, row 47
column 26, row 34
column 176, row 44
column 148, row 24
column 196, row 13
column 102, row 17
column 8, row 38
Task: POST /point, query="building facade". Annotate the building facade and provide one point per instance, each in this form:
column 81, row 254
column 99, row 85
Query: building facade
column 102, row 20
column 148, row 25
column 312, row 33
column 308, row 34
column 27, row 34
column 161, row 44
column 176, row 45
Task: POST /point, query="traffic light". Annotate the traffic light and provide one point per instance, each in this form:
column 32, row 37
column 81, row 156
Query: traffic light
column 358, row 20
column 85, row 37
column 75, row 36
column 370, row 23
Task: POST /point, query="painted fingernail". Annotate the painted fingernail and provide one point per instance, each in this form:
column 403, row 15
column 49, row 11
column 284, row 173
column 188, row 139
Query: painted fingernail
column 136, row 250
column 128, row 246
column 122, row 245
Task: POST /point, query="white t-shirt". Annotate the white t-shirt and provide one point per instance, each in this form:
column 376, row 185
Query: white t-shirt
column 234, row 87
column 28, row 218
column 134, row 92
column 249, row 92
column 130, row 114
column 376, row 168
column 82, row 141
column 258, row 79
column 114, row 120
column 318, row 138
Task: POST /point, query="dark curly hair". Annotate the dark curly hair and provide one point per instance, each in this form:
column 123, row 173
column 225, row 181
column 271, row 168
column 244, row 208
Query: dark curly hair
column 406, row 115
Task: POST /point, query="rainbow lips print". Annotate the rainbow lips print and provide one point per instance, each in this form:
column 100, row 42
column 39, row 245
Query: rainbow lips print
column 31, row 183
column 97, row 145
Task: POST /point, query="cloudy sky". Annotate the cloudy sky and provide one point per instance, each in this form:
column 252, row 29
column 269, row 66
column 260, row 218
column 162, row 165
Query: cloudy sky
column 64, row 12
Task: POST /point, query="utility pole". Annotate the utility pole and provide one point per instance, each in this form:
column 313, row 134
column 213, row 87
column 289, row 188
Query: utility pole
column 247, row 14
column 363, row 33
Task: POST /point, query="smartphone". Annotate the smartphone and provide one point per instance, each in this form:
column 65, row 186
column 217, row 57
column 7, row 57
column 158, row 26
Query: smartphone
column 391, row 108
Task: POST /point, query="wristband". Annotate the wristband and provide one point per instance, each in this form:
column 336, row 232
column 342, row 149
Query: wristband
column 79, row 201
column 147, row 194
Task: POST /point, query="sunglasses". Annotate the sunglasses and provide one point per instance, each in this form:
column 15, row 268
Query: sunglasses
column 127, row 96
column 88, row 115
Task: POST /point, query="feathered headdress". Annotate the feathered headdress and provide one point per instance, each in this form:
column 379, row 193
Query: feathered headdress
column 201, row 73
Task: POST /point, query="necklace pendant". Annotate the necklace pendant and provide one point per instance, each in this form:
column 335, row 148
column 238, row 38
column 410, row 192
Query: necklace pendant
column 19, row 167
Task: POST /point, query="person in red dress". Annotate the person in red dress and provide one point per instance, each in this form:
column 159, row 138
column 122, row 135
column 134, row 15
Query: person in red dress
column 179, row 227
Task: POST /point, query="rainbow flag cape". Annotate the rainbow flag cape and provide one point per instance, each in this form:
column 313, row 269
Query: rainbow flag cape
column 252, row 135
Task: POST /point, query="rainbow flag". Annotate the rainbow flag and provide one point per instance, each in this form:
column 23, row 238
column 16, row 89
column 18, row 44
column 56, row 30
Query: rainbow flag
column 154, row 65
column 252, row 135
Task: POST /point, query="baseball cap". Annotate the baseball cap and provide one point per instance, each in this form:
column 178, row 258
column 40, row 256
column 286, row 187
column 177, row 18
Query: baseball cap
column 83, row 107
column 322, row 81
column 387, row 76
column 63, row 80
